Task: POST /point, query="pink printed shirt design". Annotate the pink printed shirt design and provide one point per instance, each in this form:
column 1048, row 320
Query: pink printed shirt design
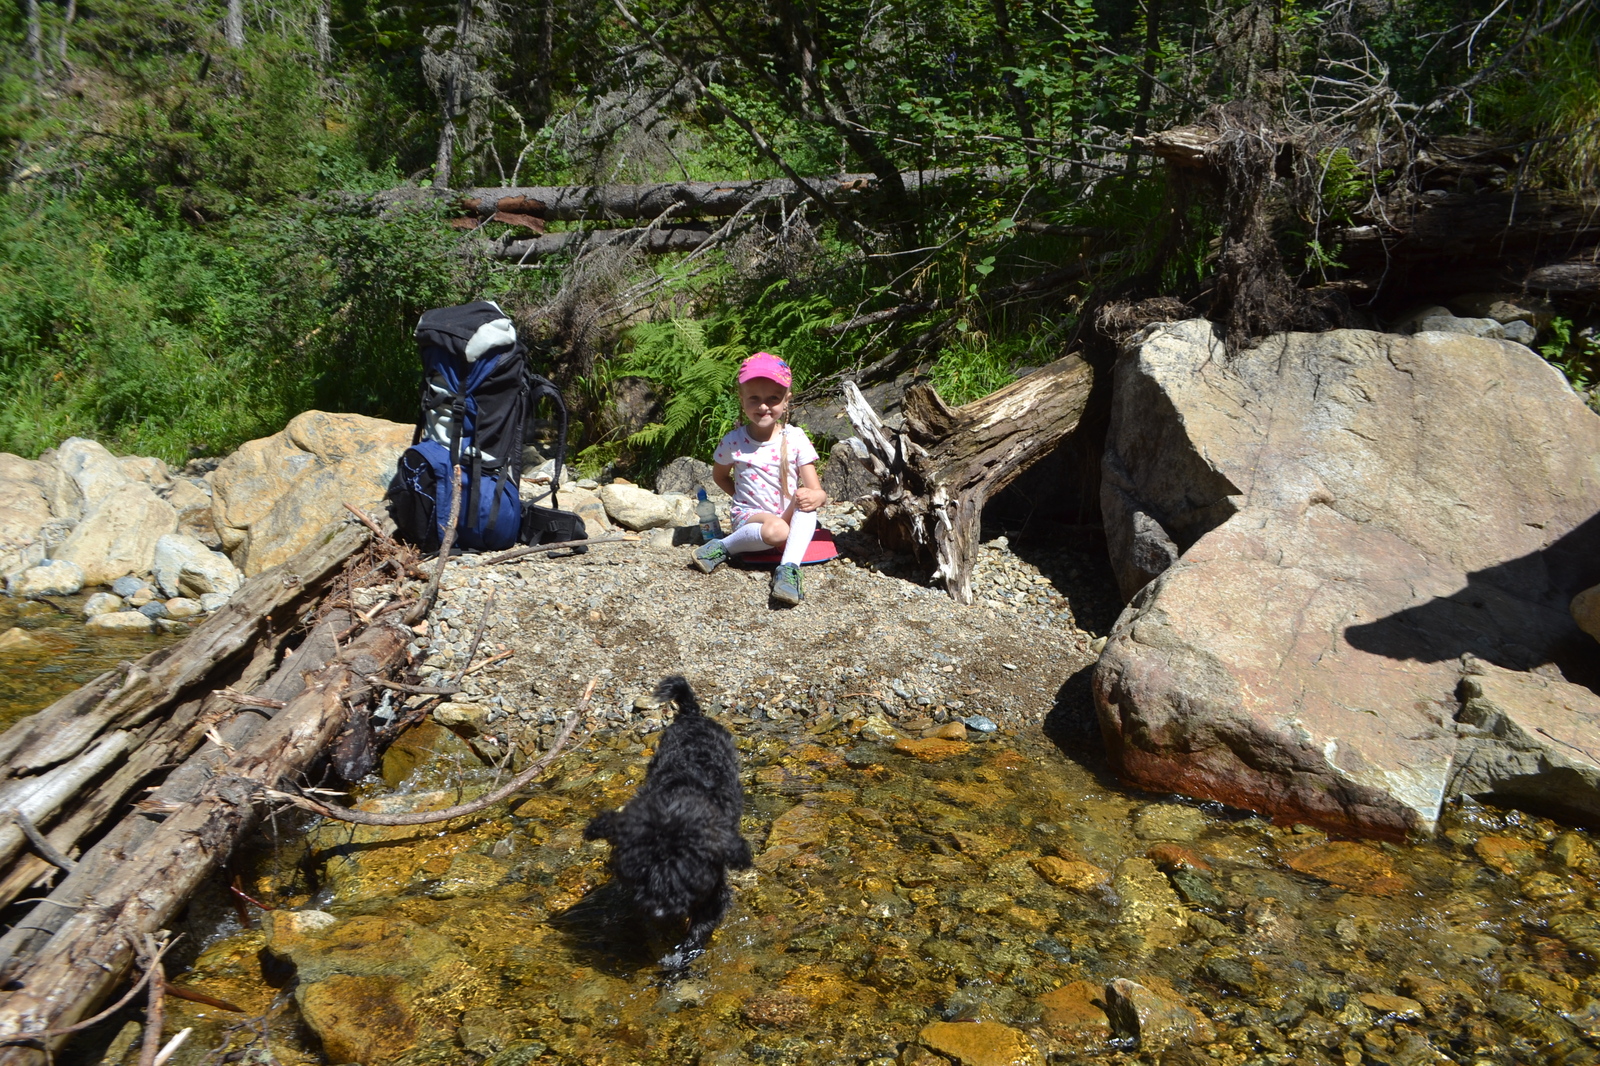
column 755, row 470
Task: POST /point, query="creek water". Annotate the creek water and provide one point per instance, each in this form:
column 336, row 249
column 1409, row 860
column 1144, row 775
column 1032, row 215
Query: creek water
column 1008, row 884
column 62, row 654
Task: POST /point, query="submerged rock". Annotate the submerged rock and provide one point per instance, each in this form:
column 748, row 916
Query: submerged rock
column 1154, row 1015
column 1343, row 542
column 1148, row 909
column 1075, row 1014
column 980, row 1044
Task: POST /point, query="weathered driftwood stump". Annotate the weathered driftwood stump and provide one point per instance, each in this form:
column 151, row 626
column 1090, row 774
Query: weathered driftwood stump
column 938, row 471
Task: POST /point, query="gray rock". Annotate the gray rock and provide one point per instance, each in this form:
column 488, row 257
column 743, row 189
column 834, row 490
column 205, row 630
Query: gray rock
column 1486, row 328
column 214, row 601
column 119, row 535
column 185, row 567
column 54, row 578
column 1521, row 332
column 685, row 475
column 181, row 607
column 1527, row 738
column 1343, row 544
column 154, row 609
column 122, row 622
column 126, row 586
column 847, row 474
column 635, row 508
column 102, row 603
column 96, row 471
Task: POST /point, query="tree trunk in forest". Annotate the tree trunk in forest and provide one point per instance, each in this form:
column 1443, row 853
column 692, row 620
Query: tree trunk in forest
column 939, row 471
column 92, row 950
column 35, row 37
column 233, row 24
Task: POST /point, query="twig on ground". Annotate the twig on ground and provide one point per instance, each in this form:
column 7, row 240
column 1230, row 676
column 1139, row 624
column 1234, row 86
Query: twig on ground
column 531, row 549
column 172, row 1045
column 413, row 690
column 367, row 521
column 461, row 810
column 424, row 605
column 47, row 851
column 490, row 661
column 483, row 623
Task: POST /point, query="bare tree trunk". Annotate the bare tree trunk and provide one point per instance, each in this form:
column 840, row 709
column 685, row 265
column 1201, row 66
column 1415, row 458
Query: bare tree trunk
column 1019, row 101
column 66, row 25
column 1147, row 80
column 321, row 34
column 941, row 469
column 233, row 24
column 35, row 47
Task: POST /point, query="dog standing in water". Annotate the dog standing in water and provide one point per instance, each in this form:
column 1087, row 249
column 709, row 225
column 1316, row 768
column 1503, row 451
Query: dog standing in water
column 674, row 842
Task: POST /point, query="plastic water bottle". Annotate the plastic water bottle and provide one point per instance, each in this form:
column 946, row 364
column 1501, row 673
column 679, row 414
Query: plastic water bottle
column 710, row 528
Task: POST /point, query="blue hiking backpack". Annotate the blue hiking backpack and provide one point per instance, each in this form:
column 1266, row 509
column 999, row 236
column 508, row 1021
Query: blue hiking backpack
column 476, row 395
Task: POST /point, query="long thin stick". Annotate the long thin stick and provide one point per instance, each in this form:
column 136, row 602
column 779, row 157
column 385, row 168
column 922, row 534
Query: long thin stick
column 155, row 1015
column 483, row 623
column 424, row 605
column 530, row 549
column 460, row 810
column 367, row 521
column 89, row 1023
column 46, row 850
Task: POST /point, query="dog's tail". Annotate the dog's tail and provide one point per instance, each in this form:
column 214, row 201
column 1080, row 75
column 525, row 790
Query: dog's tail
column 675, row 688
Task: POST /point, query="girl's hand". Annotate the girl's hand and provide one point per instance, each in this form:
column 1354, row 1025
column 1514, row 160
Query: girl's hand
column 809, row 499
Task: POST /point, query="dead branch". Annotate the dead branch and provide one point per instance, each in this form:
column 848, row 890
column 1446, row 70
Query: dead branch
column 40, row 844
column 424, row 605
column 156, row 1013
column 488, row 605
column 533, row 549
column 413, row 690
column 461, row 810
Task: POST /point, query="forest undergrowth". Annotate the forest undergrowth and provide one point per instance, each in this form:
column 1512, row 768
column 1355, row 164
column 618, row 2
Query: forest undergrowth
column 188, row 256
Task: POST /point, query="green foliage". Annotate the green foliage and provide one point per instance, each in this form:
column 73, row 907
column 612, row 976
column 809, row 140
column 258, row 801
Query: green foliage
column 1579, row 362
column 970, row 370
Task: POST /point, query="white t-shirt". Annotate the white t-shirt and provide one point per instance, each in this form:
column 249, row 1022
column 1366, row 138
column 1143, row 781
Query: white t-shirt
column 755, row 469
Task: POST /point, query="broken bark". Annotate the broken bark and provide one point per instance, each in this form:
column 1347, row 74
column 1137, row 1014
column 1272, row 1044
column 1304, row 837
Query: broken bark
column 939, row 471
column 654, row 240
column 92, row 950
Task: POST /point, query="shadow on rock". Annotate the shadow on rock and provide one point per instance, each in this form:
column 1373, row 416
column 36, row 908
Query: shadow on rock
column 1514, row 615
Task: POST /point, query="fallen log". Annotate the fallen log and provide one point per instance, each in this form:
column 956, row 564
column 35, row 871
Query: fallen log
column 687, row 199
column 653, row 240
column 89, row 954
column 937, row 473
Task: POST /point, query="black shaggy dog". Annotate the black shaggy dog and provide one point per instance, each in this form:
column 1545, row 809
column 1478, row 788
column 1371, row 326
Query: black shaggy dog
column 673, row 843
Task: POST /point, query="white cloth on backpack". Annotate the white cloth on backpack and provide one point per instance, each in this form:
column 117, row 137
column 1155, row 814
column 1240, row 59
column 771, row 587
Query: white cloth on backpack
column 497, row 333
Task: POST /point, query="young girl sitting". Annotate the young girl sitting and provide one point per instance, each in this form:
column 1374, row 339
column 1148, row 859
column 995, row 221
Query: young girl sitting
column 770, row 470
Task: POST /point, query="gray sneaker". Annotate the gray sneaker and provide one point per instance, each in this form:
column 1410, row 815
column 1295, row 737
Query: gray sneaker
column 709, row 556
column 786, row 584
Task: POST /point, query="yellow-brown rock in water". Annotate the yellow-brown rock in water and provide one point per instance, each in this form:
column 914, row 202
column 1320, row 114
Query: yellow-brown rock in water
column 371, row 987
column 1357, row 867
column 1075, row 1014
column 931, row 749
column 980, row 1044
column 1149, row 912
column 273, row 495
column 17, row 640
column 947, row 731
column 1072, row 873
column 1506, row 854
column 1154, row 1014
column 1392, row 1008
column 796, row 831
column 799, row 995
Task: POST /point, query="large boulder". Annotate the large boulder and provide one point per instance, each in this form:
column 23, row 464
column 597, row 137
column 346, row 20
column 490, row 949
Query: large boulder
column 119, row 535
column 272, row 496
column 635, row 508
column 56, row 577
column 94, row 470
column 1327, row 524
column 24, row 512
column 183, row 566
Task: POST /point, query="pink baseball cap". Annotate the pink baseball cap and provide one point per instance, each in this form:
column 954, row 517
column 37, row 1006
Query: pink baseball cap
column 765, row 365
